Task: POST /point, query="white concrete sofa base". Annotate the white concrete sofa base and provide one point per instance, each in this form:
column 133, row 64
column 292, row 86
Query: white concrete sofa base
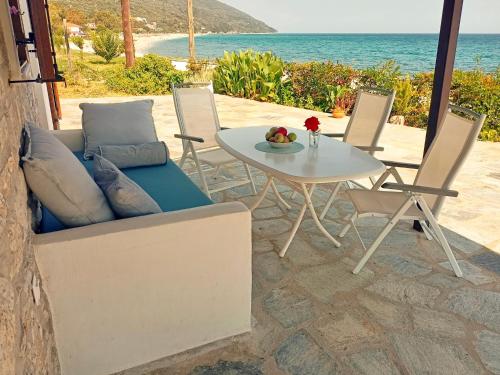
column 127, row 292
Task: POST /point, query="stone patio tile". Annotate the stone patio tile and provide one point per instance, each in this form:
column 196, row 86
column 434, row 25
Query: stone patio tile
column 385, row 313
column 471, row 273
column 461, row 243
column 443, row 281
column 405, row 291
column 488, row 260
column 229, row 368
column 287, row 307
column 488, row 347
column 267, row 213
column 404, row 265
column 300, row 355
column 429, row 355
column 325, row 280
column 250, row 199
column 437, row 323
column 300, row 252
column 270, row 266
column 272, row 227
column 372, row 362
column 346, row 328
column 480, row 305
column 262, row 246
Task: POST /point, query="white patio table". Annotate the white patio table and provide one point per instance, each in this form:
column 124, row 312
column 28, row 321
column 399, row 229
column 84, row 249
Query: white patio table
column 333, row 161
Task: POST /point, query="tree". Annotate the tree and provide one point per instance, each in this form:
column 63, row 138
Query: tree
column 78, row 41
column 127, row 34
column 192, row 57
column 104, row 19
column 107, row 45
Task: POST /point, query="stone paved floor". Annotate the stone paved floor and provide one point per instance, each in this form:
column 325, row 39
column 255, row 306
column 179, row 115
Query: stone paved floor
column 405, row 313
column 474, row 214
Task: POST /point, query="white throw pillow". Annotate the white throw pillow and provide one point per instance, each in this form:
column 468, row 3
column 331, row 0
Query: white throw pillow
column 61, row 182
column 129, row 123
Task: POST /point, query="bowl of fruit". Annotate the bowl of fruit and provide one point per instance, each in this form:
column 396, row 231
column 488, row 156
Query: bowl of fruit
column 278, row 137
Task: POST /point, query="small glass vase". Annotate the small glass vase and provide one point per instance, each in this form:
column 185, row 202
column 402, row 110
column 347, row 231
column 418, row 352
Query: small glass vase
column 314, row 139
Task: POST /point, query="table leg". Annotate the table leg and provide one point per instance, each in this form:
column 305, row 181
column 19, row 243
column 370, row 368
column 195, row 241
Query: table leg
column 307, row 196
column 262, row 194
column 280, row 198
column 294, row 231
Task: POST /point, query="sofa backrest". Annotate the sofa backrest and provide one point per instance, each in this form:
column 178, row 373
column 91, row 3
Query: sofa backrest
column 72, row 138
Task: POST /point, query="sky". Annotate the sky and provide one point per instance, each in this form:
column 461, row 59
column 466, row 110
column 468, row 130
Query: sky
column 375, row 16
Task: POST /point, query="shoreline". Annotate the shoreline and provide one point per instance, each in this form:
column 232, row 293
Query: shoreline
column 144, row 42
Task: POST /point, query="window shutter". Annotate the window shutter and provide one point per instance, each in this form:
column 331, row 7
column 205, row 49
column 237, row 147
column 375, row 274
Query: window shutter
column 43, row 43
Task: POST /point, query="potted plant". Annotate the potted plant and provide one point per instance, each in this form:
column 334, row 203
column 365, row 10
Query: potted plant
column 335, row 100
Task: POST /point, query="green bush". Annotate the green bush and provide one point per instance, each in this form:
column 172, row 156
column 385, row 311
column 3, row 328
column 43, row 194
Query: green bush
column 151, row 75
column 107, row 44
column 249, row 74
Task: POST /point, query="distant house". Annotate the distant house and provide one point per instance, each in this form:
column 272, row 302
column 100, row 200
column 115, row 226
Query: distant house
column 91, row 26
column 74, row 29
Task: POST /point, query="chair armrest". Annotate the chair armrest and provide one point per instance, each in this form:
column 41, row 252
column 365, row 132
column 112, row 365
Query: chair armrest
column 189, row 138
column 224, row 128
column 420, row 189
column 334, row 135
column 370, row 148
column 399, row 164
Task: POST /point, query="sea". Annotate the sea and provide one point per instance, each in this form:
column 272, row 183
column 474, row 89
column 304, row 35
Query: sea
column 413, row 52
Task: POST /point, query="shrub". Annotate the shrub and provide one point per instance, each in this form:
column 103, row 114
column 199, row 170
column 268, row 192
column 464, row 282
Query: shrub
column 249, row 74
column 406, row 97
column 151, row 75
column 107, row 44
column 384, row 75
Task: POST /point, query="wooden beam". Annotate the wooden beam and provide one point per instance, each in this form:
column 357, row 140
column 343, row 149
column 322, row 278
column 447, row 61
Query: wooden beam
column 127, row 34
column 192, row 56
column 443, row 73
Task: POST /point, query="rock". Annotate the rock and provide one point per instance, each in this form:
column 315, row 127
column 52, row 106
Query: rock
column 488, row 260
column 488, row 347
column 480, row 305
column 271, row 266
column 425, row 355
column 471, row 273
column 387, row 314
column 404, row 265
column 372, row 362
column 229, row 368
column 345, row 329
column 405, row 291
column 300, row 355
column 437, row 323
column 325, row 280
column 271, row 227
column 287, row 307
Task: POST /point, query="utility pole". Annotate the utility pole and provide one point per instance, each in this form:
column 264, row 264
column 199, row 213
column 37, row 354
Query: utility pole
column 66, row 44
column 127, row 34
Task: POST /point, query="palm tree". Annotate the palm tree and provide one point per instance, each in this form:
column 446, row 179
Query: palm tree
column 127, row 34
column 192, row 57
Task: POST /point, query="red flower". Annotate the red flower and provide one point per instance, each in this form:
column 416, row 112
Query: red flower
column 312, row 124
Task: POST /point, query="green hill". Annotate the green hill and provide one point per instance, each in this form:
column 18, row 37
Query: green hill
column 170, row 16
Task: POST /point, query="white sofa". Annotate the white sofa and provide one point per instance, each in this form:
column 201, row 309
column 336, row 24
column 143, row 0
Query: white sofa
column 126, row 292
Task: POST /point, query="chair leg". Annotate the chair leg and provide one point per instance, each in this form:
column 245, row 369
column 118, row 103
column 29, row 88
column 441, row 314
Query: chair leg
column 184, row 157
column 250, row 178
column 200, row 172
column 346, row 228
column 330, row 200
column 440, row 235
column 426, row 230
column 387, row 228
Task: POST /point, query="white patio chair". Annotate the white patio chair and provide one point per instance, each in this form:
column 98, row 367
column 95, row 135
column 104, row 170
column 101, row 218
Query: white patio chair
column 423, row 200
column 198, row 123
column 369, row 116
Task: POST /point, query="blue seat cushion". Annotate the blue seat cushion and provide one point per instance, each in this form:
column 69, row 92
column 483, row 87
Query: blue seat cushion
column 166, row 184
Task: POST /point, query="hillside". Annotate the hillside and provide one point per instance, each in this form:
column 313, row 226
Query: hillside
column 170, row 16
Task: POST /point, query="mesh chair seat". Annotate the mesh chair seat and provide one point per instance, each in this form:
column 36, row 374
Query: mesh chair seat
column 216, row 157
column 381, row 203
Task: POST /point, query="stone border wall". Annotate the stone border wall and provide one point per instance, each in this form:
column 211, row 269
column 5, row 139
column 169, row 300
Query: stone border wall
column 27, row 343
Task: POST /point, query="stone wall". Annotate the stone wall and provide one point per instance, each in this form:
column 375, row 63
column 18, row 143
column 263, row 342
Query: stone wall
column 26, row 337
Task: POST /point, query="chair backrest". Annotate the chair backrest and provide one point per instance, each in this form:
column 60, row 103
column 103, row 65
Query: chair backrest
column 369, row 116
column 196, row 113
column 447, row 153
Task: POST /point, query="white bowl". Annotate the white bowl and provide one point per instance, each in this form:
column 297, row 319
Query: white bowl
column 279, row 145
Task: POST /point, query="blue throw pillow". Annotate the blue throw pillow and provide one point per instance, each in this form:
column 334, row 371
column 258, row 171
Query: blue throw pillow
column 126, row 198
